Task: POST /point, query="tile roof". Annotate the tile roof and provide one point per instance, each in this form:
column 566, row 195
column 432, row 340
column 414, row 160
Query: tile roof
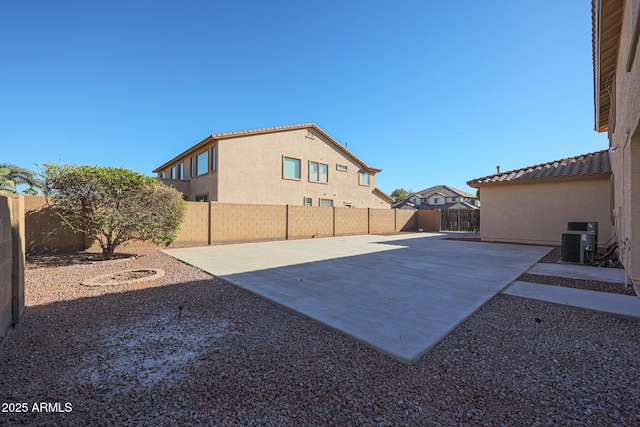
column 445, row 206
column 445, row 190
column 227, row 135
column 584, row 165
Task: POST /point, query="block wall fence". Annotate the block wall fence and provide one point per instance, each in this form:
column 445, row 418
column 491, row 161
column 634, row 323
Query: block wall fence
column 12, row 251
column 215, row 223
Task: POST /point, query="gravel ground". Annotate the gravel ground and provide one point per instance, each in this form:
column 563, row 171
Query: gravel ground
column 127, row 355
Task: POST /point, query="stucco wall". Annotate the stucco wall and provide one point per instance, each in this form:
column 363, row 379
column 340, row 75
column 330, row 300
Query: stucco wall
column 249, row 170
column 539, row 213
column 625, row 160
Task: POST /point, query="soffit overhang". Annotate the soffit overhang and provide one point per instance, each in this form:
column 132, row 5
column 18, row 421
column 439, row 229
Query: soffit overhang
column 606, row 28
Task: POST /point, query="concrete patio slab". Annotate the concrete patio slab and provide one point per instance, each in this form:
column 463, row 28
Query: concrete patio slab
column 572, row 271
column 620, row 305
column 400, row 294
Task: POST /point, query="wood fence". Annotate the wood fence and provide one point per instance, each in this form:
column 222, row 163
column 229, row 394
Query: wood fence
column 460, row 220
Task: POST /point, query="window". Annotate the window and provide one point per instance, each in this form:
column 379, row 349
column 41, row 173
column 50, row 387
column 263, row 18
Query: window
column 324, row 172
column 342, row 168
column 291, row 168
column 202, row 163
column 214, row 152
column 318, row 172
column 173, row 172
column 313, row 171
column 180, row 171
column 307, row 201
column 326, row 202
column 202, row 197
column 363, row 178
column 455, row 199
column 163, row 174
column 436, row 200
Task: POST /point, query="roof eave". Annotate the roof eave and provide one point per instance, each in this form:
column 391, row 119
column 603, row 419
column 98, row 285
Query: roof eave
column 584, row 177
column 606, row 28
column 196, row 147
column 239, row 134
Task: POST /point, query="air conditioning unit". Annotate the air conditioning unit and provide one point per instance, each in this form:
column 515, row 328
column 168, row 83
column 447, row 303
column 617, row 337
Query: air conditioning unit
column 578, row 245
column 584, row 226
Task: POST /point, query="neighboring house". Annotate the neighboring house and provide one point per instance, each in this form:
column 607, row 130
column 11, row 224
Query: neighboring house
column 534, row 204
column 285, row 165
column 616, row 64
column 438, row 197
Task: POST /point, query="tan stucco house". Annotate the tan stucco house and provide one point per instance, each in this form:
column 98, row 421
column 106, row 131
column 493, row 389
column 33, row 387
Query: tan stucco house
column 438, row 197
column 534, row 204
column 616, row 63
column 286, row 165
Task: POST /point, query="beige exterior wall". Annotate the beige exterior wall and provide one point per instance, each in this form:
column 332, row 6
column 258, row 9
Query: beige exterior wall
column 12, row 250
column 195, row 231
column 382, row 221
column 538, row 213
column 250, row 170
column 6, row 266
column 232, row 222
column 220, row 223
column 406, row 220
column 625, row 136
column 307, row 222
column 44, row 229
column 428, row 221
column 351, row 221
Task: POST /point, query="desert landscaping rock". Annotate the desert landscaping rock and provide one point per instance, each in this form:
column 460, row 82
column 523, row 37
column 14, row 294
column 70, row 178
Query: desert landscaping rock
column 125, row 277
column 128, row 355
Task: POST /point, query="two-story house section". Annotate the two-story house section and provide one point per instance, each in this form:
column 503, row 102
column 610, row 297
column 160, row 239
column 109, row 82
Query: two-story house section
column 439, row 197
column 286, row 165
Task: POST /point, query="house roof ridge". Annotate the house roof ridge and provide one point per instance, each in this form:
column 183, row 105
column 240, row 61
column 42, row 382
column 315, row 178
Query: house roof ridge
column 561, row 169
column 257, row 131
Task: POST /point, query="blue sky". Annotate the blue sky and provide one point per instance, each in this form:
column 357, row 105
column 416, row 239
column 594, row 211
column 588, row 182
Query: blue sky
column 430, row 92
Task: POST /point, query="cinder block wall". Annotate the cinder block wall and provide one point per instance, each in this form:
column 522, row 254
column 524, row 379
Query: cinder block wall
column 219, row 223
column 11, row 262
column 6, row 266
column 382, row 221
column 428, row 220
column 194, row 231
column 307, row 221
column 44, row 230
column 351, row 221
column 232, row 222
column 405, row 220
